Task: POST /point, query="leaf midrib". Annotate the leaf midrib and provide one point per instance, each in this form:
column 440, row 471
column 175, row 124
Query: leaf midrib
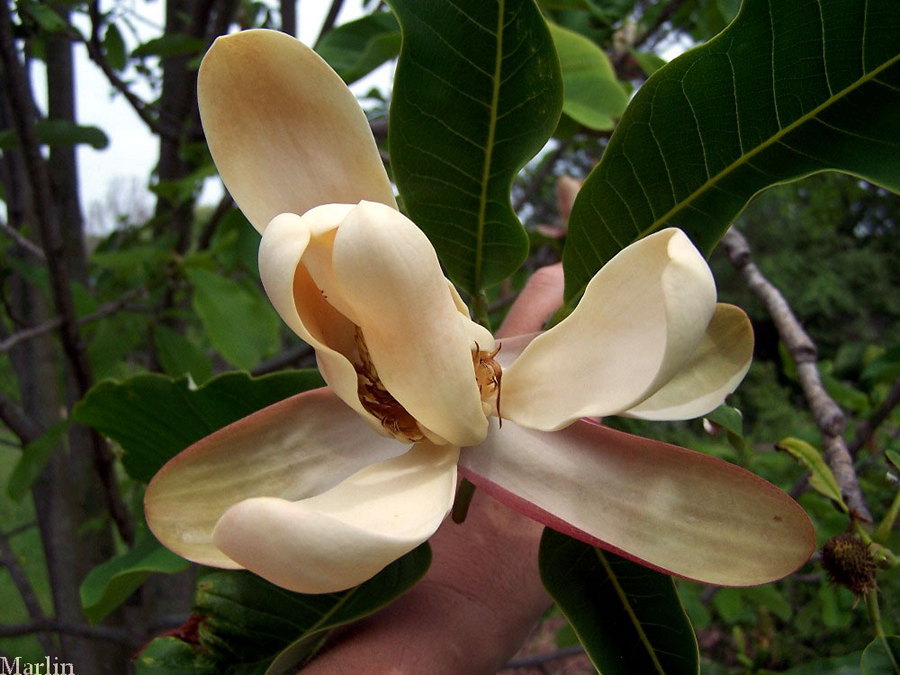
column 746, row 157
column 489, row 146
column 626, row 604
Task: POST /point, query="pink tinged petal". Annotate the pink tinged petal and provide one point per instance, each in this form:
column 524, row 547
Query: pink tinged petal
column 285, row 132
column 640, row 320
column 345, row 536
column 288, row 244
column 715, row 370
column 419, row 341
column 291, row 450
column 669, row 508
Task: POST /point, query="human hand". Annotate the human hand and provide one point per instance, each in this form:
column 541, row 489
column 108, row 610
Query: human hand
column 483, row 593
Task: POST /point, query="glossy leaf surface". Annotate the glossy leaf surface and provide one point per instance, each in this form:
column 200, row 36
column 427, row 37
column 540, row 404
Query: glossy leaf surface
column 786, row 90
column 154, row 417
column 629, row 618
column 477, row 93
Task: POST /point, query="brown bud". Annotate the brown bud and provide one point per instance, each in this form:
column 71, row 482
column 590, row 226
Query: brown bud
column 849, row 563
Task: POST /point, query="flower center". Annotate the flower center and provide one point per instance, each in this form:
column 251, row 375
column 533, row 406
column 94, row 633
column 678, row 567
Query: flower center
column 487, row 376
column 395, row 420
column 376, row 399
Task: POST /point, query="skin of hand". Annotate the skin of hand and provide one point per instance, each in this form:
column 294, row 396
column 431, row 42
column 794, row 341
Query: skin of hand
column 482, row 594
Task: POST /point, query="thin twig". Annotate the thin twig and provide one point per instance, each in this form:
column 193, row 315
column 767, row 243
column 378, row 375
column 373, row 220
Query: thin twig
column 661, row 19
column 283, row 360
column 18, row 88
column 53, row 324
column 95, row 52
column 330, row 19
column 20, row 580
column 868, row 427
column 540, row 659
column 23, row 242
column 827, row 414
column 544, row 170
column 49, row 625
column 18, row 421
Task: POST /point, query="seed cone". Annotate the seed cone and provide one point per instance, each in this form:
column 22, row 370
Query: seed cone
column 849, row 563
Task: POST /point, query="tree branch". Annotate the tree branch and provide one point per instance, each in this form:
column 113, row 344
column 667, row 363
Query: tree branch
column 19, row 93
column 330, row 19
column 20, row 580
column 23, row 242
column 18, row 421
column 53, row 324
column 95, row 52
column 49, row 625
column 827, row 414
column 541, row 659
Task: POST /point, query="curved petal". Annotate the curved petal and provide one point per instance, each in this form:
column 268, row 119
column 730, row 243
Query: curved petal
column 714, row 371
column 296, row 448
column 286, row 244
column 285, row 132
column 639, row 321
column 672, row 509
column 345, row 536
column 419, row 341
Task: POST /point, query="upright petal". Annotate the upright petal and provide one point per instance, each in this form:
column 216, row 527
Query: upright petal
column 294, row 449
column 347, row 535
column 715, row 370
column 419, row 341
column 302, row 304
column 672, row 509
column 640, row 320
column 285, row 132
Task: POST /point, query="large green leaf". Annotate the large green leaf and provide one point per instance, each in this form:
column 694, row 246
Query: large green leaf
column 882, row 656
column 788, row 89
column 477, row 93
column 108, row 585
column 356, row 48
column 629, row 618
column 592, row 94
column 243, row 624
column 154, row 417
column 239, row 321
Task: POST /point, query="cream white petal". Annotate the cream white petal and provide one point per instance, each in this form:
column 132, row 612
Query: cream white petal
column 285, row 132
column 715, row 370
column 672, row 509
column 419, row 341
column 639, row 321
column 287, row 241
column 297, row 448
column 345, row 536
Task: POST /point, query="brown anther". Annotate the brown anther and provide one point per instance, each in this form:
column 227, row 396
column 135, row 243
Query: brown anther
column 377, row 400
column 488, row 374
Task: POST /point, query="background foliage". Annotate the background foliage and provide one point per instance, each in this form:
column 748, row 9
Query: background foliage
column 131, row 329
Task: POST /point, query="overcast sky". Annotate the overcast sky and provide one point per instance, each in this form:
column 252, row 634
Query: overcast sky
column 132, row 150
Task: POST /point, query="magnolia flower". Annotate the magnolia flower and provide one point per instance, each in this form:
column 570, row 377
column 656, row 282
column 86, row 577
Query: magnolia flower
column 321, row 491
